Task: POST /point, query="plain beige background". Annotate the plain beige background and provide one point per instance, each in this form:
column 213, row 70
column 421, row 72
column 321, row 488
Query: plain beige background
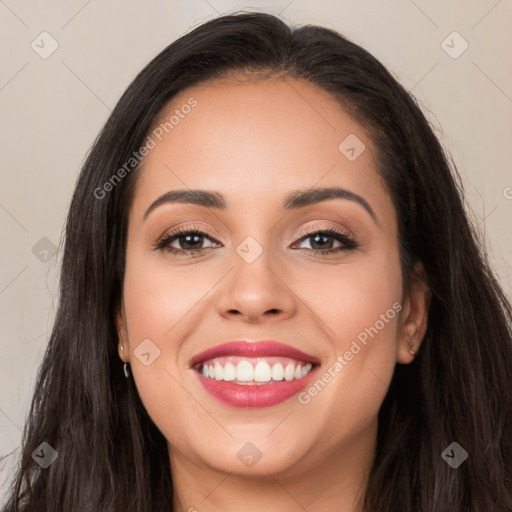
column 52, row 108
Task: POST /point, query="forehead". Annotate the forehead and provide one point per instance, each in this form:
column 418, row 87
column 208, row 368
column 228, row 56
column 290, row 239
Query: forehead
column 256, row 140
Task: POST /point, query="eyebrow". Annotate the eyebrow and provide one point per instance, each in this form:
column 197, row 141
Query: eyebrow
column 293, row 201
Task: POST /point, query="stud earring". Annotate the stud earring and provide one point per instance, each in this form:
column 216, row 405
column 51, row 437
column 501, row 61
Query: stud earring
column 411, row 345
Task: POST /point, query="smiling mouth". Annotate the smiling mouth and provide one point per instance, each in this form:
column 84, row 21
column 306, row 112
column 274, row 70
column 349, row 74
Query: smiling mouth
column 254, row 371
column 254, row 374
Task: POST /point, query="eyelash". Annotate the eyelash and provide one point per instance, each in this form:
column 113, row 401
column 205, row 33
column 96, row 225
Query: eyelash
column 348, row 243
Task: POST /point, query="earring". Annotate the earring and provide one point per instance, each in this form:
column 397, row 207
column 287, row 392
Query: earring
column 126, row 371
column 411, row 345
column 122, row 347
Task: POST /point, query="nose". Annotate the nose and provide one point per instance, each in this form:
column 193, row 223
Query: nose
column 257, row 291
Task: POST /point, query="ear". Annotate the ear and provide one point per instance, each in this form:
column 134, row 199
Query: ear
column 122, row 333
column 414, row 317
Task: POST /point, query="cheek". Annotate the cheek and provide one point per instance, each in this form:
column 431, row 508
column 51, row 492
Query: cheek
column 360, row 308
column 351, row 298
column 160, row 307
column 160, row 300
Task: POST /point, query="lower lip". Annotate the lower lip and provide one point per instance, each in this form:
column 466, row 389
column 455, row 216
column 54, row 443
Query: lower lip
column 254, row 395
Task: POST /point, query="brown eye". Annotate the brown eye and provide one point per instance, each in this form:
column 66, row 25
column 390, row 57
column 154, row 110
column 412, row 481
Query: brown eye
column 188, row 240
column 322, row 241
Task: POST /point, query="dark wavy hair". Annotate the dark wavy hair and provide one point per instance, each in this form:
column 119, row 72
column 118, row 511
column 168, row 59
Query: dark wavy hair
column 112, row 457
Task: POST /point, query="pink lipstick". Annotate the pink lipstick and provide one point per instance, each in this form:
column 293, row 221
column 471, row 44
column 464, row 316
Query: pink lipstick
column 254, row 374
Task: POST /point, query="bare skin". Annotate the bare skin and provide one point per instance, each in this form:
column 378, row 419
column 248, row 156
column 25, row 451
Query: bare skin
column 255, row 142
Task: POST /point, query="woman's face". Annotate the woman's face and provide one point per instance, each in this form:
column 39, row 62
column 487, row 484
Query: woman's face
column 257, row 275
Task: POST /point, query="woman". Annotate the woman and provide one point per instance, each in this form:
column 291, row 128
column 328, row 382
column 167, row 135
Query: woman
column 271, row 298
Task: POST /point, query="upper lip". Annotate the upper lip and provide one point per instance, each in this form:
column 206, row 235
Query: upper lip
column 264, row 348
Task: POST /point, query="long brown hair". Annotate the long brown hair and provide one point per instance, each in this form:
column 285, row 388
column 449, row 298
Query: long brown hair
column 111, row 456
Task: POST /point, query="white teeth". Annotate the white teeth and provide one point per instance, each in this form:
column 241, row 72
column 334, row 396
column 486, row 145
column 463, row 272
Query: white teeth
column 262, row 372
column 245, row 372
column 289, row 372
column 277, row 372
column 229, row 372
column 219, row 371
